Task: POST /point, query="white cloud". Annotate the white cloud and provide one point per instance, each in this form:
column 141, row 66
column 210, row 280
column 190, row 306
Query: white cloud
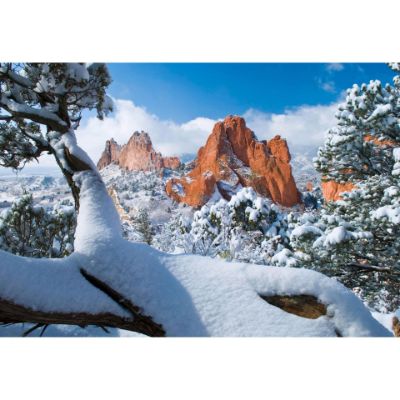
column 305, row 125
column 167, row 136
column 327, row 86
column 332, row 67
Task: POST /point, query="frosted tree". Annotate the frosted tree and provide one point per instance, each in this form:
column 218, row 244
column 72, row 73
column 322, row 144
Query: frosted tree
column 41, row 107
column 356, row 238
column 175, row 236
column 143, row 226
column 367, row 130
column 247, row 228
column 109, row 281
column 30, row 230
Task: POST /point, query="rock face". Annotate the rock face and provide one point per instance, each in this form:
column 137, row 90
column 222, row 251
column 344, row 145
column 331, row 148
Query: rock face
column 232, row 158
column 332, row 191
column 137, row 155
column 110, row 154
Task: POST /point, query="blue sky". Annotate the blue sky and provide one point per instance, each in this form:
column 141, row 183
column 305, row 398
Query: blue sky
column 184, row 91
column 178, row 104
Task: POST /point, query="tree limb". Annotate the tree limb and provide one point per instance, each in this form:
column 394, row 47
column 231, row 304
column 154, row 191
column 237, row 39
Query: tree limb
column 11, row 313
column 39, row 116
column 370, row 267
column 144, row 323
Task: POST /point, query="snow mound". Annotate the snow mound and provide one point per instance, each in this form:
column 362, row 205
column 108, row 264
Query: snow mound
column 188, row 295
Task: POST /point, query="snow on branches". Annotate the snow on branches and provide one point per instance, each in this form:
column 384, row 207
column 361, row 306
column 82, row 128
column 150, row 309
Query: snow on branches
column 41, row 105
column 248, row 228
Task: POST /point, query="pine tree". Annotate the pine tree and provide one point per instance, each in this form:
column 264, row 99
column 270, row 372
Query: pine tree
column 356, row 238
column 33, row 231
column 143, row 226
column 361, row 144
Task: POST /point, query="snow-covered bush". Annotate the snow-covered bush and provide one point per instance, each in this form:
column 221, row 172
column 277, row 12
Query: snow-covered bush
column 29, row 230
column 248, row 228
column 143, row 226
column 312, row 200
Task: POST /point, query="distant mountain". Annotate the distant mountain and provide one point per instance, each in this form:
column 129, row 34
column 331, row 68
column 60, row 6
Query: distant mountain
column 137, row 155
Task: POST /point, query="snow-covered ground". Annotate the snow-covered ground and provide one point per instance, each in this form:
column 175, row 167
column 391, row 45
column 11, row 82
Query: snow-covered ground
column 136, row 190
column 47, row 190
column 205, row 280
column 189, row 295
column 143, row 190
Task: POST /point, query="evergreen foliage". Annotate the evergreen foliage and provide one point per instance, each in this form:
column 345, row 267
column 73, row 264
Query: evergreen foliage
column 29, row 230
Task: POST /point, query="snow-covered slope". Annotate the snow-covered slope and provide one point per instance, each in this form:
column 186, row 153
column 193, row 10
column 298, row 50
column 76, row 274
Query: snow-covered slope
column 48, row 190
column 138, row 189
column 188, row 295
column 302, row 165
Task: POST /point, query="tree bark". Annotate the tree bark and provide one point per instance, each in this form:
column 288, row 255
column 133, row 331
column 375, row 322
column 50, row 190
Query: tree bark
column 303, row 305
column 11, row 312
column 14, row 313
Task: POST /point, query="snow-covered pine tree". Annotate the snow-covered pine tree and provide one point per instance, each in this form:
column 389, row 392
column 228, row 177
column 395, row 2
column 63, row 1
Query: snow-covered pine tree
column 356, row 237
column 367, row 130
column 30, row 230
column 143, row 225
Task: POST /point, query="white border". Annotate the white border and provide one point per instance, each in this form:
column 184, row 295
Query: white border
column 217, row 31
column 201, row 30
column 135, row 368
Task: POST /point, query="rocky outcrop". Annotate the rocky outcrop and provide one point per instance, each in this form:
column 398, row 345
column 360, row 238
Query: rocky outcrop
column 110, row 154
column 137, row 155
column 171, row 162
column 233, row 158
column 332, row 191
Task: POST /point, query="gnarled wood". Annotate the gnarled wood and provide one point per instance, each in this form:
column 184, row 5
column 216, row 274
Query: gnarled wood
column 396, row 326
column 11, row 313
column 143, row 323
column 303, row 305
column 14, row 313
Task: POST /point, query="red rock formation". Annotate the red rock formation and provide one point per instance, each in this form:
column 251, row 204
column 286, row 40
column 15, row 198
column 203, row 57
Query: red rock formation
column 233, row 157
column 110, row 154
column 171, row 162
column 137, row 155
column 333, row 191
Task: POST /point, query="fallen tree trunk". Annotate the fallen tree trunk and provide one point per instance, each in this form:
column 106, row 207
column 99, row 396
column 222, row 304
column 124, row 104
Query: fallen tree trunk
column 142, row 323
column 11, row 313
column 116, row 312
